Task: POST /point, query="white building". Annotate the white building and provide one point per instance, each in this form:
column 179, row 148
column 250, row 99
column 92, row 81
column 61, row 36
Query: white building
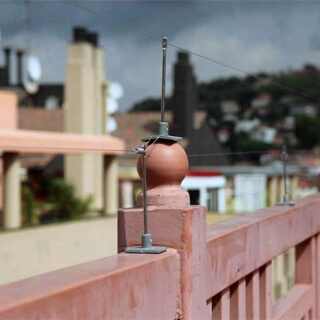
column 206, row 188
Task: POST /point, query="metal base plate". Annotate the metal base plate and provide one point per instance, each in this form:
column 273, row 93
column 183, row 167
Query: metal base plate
column 145, row 250
column 164, row 137
column 287, row 203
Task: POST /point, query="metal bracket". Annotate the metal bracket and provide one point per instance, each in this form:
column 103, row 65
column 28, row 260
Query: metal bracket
column 163, row 134
column 146, row 247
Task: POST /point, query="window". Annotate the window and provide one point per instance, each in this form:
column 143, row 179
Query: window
column 194, row 196
column 212, row 200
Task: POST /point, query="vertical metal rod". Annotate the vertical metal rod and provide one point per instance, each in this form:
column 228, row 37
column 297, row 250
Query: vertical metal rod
column 164, row 62
column 284, row 161
column 144, row 169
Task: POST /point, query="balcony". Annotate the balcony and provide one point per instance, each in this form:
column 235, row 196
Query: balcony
column 218, row 272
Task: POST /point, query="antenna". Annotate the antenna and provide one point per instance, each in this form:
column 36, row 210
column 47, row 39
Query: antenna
column 146, row 238
column 286, row 196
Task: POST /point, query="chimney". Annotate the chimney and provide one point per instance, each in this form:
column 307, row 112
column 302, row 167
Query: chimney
column 7, row 52
column 83, row 91
column 93, row 38
column 184, row 100
column 20, row 54
column 80, row 34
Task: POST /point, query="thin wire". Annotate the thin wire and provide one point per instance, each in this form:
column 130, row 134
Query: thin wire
column 155, row 140
column 146, row 35
column 225, row 154
column 71, row 149
column 242, row 71
column 102, row 15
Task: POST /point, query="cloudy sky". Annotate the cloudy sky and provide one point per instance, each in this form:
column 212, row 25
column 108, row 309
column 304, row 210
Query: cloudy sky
column 251, row 35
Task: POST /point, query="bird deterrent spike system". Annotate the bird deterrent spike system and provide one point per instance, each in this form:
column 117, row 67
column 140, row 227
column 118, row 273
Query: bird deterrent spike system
column 146, row 237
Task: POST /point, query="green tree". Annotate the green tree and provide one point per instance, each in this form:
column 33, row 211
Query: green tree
column 150, row 104
column 307, row 131
column 65, row 203
column 250, row 145
column 28, row 205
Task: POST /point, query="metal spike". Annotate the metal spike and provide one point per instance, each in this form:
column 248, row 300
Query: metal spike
column 163, row 125
column 164, row 64
column 286, row 196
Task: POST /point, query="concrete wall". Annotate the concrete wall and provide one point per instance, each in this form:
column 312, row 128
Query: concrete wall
column 8, row 110
column 33, row 251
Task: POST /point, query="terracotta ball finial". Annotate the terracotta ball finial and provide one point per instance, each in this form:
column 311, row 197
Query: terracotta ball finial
column 166, row 165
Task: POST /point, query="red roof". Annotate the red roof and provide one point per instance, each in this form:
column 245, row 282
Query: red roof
column 201, row 173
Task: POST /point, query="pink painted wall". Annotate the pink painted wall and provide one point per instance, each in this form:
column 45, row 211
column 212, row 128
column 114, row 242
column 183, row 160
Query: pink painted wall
column 1, row 182
column 8, row 120
column 8, row 110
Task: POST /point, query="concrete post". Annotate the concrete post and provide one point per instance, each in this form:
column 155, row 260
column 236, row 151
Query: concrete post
column 111, row 185
column 127, row 194
column 1, row 190
column 173, row 223
column 11, row 191
column 294, row 181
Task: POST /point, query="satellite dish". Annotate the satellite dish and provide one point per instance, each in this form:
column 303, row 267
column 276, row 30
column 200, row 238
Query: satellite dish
column 33, row 68
column 112, row 105
column 115, row 90
column 111, row 124
column 31, row 87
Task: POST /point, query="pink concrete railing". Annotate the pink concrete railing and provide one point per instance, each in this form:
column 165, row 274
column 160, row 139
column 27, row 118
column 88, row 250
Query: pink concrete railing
column 116, row 287
column 239, row 254
column 218, row 272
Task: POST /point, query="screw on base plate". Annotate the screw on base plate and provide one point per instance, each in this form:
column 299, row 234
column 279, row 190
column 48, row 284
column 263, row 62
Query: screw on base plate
column 286, row 201
column 146, row 247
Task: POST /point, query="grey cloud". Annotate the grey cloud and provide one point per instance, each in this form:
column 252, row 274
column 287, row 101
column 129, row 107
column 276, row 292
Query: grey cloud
column 250, row 35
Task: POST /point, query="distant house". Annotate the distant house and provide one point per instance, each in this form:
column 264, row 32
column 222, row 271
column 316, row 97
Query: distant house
column 308, row 110
column 229, row 107
column 207, row 188
column 230, row 117
column 223, row 135
column 261, row 82
column 262, row 101
column 287, row 99
column 247, row 126
column 264, row 134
